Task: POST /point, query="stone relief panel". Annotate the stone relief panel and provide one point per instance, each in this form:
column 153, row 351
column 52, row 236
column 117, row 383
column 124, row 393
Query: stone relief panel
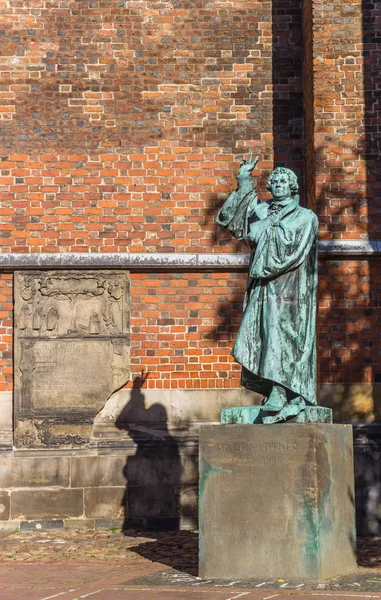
column 72, row 351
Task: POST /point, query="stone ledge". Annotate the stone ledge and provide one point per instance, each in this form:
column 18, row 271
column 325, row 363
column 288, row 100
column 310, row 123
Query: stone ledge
column 331, row 249
column 161, row 261
column 140, row 261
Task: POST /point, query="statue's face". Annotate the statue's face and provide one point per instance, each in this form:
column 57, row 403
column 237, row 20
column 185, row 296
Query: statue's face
column 280, row 186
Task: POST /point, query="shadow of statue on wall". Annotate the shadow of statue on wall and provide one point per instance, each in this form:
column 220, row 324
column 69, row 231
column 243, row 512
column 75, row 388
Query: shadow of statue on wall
column 151, row 500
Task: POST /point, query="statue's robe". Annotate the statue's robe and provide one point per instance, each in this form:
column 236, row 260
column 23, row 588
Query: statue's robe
column 276, row 340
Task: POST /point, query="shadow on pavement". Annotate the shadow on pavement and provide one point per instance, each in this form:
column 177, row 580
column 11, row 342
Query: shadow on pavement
column 178, row 550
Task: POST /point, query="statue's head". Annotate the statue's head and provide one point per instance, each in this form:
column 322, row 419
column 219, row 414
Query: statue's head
column 282, row 183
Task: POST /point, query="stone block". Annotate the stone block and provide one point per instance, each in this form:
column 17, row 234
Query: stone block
column 154, row 524
column 9, row 525
column 156, row 501
column 108, row 523
column 352, row 400
column 188, row 522
column 104, row 503
column 247, row 415
column 276, row 501
column 183, row 409
column 4, row 506
column 188, row 501
column 79, row 524
column 6, row 420
column 46, row 504
column 41, row 525
column 163, row 465
column 34, row 472
column 98, row 471
column 368, row 510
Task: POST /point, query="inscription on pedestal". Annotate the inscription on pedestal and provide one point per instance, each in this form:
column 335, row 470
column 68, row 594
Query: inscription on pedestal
column 258, row 447
column 257, row 453
column 71, row 352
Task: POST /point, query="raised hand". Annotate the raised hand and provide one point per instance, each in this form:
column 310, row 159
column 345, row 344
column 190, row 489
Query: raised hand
column 247, row 166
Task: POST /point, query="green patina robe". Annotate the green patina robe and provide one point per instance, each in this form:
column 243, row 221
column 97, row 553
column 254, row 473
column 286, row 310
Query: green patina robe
column 276, row 339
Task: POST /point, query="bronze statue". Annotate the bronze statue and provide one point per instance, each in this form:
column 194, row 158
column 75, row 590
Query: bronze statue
column 276, row 341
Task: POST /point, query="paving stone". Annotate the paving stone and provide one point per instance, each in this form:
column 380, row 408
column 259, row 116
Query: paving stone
column 30, row 594
column 107, row 564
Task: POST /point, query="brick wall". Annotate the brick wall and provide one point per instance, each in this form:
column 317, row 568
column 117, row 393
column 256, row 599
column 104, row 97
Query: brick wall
column 342, row 184
column 345, row 140
column 349, row 321
column 182, row 329
column 121, row 128
column 122, row 123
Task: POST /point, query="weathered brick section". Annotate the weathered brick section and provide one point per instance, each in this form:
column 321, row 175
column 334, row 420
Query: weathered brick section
column 341, row 169
column 109, row 74
column 183, row 327
column 121, row 125
column 308, row 104
column 124, row 120
column 121, row 129
column 346, row 144
column 287, row 56
column 371, row 29
column 350, row 321
column 164, row 200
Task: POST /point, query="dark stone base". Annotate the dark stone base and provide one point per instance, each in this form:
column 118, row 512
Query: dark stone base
column 276, row 502
column 153, row 487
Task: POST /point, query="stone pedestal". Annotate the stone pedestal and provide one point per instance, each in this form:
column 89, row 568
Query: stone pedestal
column 276, row 501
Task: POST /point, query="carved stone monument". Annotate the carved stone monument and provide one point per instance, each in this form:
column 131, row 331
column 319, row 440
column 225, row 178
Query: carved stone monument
column 276, row 501
column 71, row 352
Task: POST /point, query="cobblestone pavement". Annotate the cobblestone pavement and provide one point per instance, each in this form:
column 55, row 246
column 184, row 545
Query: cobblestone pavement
column 110, row 565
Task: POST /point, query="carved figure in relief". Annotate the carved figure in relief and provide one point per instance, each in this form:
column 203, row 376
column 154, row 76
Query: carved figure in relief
column 276, row 341
column 24, row 317
column 94, row 323
column 52, row 319
column 37, row 319
column 27, row 288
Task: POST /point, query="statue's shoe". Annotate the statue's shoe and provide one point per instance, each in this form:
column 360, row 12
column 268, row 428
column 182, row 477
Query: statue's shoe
column 276, row 400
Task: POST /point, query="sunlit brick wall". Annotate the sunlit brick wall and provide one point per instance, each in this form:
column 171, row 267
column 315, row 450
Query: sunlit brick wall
column 121, row 128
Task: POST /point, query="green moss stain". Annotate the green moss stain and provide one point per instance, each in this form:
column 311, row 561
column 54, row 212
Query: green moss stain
column 206, row 470
column 309, row 526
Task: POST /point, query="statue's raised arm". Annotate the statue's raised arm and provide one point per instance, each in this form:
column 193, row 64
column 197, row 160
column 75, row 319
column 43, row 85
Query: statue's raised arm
column 276, row 341
column 235, row 213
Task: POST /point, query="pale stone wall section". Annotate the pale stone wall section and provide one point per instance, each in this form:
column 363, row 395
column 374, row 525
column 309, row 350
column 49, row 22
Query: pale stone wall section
column 6, row 433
